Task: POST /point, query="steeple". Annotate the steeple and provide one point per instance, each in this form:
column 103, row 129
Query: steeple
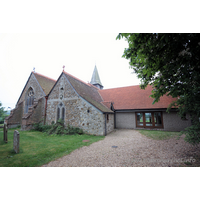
column 95, row 79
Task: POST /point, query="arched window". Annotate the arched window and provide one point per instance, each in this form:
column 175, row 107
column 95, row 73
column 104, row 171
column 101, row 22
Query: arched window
column 61, row 111
column 29, row 99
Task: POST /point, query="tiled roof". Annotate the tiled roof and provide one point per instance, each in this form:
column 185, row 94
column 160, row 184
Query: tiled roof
column 133, row 97
column 45, row 82
column 107, row 104
column 88, row 92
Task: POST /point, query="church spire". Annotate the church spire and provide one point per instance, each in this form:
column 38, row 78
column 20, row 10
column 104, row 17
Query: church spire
column 95, row 79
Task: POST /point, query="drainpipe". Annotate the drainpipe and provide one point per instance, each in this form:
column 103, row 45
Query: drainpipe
column 105, row 125
column 46, row 97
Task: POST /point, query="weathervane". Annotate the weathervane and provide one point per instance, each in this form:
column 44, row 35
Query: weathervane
column 63, row 68
column 34, row 69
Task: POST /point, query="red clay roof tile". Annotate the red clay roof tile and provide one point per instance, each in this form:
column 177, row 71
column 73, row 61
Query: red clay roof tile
column 133, row 97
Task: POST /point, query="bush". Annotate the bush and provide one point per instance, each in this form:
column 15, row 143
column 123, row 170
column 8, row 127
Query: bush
column 40, row 127
column 58, row 128
column 192, row 134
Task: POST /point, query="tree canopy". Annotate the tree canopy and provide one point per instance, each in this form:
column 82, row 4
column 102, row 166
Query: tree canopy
column 171, row 64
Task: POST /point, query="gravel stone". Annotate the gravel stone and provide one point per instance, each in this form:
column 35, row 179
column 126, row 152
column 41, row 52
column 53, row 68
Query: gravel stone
column 133, row 150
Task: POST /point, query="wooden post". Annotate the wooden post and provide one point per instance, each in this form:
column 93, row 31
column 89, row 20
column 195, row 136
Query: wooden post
column 16, row 141
column 5, row 131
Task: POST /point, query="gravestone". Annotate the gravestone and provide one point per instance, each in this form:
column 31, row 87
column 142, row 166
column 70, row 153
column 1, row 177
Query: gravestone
column 5, row 133
column 16, row 141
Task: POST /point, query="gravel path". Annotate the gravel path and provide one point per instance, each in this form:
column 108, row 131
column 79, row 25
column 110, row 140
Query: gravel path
column 133, row 150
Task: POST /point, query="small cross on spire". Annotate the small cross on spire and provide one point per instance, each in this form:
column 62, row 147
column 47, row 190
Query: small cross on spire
column 34, row 69
column 63, row 68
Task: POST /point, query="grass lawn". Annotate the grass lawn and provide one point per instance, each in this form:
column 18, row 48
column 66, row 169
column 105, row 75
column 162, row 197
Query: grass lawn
column 38, row 148
column 159, row 135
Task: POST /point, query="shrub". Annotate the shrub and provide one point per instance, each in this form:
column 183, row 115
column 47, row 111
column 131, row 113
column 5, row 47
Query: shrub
column 40, row 127
column 192, row 134
column 58, row 128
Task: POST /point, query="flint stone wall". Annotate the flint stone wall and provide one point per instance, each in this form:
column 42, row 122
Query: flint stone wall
column 18, row 113
column 78, row 112
column 38, row 92
column 36, row 115
column 109, row 123
column 15, row 117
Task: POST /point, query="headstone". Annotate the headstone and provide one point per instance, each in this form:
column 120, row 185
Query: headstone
column 16, row 141
column 5, row 131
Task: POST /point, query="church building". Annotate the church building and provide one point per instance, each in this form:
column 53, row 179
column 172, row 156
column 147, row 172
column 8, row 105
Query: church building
column 88, row 106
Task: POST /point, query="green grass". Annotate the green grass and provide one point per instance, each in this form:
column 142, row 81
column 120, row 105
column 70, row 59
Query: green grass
column 159, row 135
column 38, row 148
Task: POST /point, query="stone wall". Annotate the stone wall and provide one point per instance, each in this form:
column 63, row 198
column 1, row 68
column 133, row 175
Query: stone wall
column 109, row 123
column 19, row 112
column 35, row 114
column 78, row 112
column 15, row 117
column 38, row 92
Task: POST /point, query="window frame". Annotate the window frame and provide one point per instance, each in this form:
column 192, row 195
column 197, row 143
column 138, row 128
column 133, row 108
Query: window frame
column 144, row 121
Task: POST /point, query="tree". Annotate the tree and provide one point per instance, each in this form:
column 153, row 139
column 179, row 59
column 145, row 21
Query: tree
column 2, row 113
column 171, row 64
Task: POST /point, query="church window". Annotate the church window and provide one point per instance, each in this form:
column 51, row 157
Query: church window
column 61, row 111
column 29, row 99
column 58, row 113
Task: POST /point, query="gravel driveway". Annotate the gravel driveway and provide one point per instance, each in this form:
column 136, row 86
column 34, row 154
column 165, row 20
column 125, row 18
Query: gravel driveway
column 128, row 148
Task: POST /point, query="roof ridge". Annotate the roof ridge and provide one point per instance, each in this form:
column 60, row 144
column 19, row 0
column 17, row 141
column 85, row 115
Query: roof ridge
column 93, row 86
column 100, row 96
column 121, row 87
column 44, row 76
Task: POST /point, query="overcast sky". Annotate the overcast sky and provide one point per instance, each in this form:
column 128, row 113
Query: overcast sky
column 47, row 53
